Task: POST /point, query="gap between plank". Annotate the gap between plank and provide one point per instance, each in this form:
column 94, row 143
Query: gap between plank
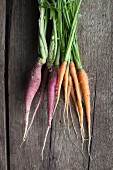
column 49, row 163
column 7, row 94
column 7, row 44
column 4, row 90
column 89, row 160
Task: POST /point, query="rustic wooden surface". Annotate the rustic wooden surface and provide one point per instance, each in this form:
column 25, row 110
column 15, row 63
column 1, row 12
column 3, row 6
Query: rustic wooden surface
column 95, row 39
column 3, row 152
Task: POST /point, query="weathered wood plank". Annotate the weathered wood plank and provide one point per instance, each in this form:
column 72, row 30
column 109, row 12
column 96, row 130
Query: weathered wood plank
column 102, row 142
column 3, row 156
column 22, row 56
column 96, row 40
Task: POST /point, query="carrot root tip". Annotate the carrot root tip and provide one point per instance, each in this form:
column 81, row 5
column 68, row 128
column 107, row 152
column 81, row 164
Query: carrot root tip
column 82, row 135
column 26, row 127
column 45, row 139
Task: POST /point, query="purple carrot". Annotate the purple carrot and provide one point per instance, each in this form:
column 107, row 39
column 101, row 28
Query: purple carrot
column 56, row 87
column 53, row 77
column 43, row 84
column 33, row 87
column 52, row 85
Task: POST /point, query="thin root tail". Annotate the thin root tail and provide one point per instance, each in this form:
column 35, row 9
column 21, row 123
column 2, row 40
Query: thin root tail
column 45, row 139
column 26, row 127
column 82, row 135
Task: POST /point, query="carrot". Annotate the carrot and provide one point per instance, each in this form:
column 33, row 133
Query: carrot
column 68, row 93
column 43, row 84
column 70, row 86
column 69, row 89
column 60, row 79
column 73, row 122
column 34, row 113
column 75, row 101
column 68, row 96
column 53, row 77
column 33, row 86
column 84, row 83
column 65, row 83
column 79, row 97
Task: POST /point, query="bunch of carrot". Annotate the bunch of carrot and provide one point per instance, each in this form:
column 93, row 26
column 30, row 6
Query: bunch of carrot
column 62, row 64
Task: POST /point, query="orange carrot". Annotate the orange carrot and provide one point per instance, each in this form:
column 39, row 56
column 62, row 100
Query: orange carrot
column 75, row 101
column 65, row 83
column 68, row 94
column 68, row 104
column 79, row 97
column 60, row 79
column 84, row 83
column 69, row 89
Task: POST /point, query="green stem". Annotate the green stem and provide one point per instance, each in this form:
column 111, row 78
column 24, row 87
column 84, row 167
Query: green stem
column 71, row 36
column 46, row 20
column 75, row 49
column 42, row 35
column 60, row 25
column 55, row 35
column 51, row 49
column 53, row 42
column 57, row 61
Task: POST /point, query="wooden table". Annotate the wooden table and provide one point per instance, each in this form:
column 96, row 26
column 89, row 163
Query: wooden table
column 18, row 46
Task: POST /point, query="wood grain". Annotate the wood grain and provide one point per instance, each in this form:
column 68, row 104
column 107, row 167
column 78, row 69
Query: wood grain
column 3, row 154
column 22, row 56
column 96, row 43
column 102, row 143
column 95, row 40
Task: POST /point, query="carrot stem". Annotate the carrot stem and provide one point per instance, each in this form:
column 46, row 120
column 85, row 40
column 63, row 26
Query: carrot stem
column 75, row 49
column 42, row 23
column 53, row 43
column 57, row 60
column 72, row 32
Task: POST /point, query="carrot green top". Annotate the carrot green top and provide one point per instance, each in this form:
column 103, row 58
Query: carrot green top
column 63, row 42
column 72, row 45
column 42, row 23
